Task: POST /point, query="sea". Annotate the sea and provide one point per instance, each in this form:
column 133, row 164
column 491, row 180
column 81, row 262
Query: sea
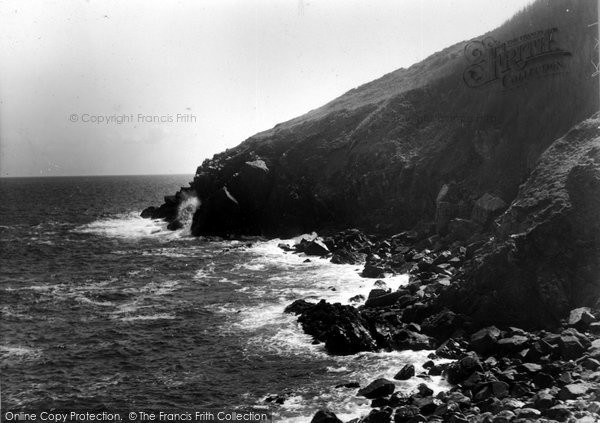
column 103, row 310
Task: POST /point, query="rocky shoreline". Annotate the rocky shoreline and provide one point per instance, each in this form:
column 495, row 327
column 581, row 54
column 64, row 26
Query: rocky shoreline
column 499, row 374
column 508, row 291
column 503, row 219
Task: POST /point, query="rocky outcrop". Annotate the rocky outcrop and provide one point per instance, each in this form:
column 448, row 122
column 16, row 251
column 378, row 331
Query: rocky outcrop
column 545, row 259
column 378, row 156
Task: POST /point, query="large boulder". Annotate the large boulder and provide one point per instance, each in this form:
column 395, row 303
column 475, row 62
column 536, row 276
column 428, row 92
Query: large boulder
column 341, row 327
column 487, row 208
column 325, row 416
column 378, row 388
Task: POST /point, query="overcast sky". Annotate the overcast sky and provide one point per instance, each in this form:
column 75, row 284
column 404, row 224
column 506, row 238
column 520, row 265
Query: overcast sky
column 236, row 67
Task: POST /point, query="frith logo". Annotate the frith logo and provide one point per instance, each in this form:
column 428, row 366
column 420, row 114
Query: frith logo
column 515, row 62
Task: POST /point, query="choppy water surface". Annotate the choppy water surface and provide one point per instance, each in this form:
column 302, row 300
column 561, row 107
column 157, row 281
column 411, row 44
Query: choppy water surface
column 102, row 309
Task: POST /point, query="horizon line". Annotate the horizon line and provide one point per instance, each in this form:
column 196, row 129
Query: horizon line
column 94, row 176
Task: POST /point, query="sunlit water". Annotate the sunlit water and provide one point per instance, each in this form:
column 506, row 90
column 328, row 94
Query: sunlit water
column 103, row 309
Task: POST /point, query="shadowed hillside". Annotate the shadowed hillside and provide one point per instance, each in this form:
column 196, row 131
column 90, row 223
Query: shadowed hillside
column 475, row 116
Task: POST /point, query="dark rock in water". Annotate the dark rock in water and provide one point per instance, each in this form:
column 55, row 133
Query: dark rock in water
column 344, row 256
column 299, row 307
column 405, row 372
column 357, row 298
column 148, row 212
column 377, row 388
column 424, row 390
column 175, row 225
column 349, row 338
column 285, row 247
column 341, row 327
column 381, row 285
column 372, row 271
column 581, row 318
column 325, row 416
column 348, row 385
column 277, row 399
column 315, row 247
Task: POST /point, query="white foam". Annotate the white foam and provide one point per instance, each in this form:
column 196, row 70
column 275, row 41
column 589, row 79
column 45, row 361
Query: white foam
column 131, row 226
column 17, row 352
column 159, row 316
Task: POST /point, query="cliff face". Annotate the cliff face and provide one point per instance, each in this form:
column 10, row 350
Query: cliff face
column 545, row 259
column 475, row 116
column 377, row 156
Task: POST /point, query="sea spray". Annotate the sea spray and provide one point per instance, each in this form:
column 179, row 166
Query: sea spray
column 186, row 209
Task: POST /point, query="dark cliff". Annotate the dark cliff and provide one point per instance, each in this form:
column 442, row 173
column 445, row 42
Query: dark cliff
column 545, row 258
column 377, row 156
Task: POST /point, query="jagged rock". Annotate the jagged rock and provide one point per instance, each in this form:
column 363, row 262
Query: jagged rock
column 378, row 416
column 424, row 390
column 377, row 292
column 427, row 405
column 513, row 344
column 378, row 388
column 405, row 372
column 409, row 340
column 344, row 256
column 285, row 247
column 458, row 371
column 443, row 324
column 570, row 346
column 316, row 247
column 342, row 328
column 148, row 212
column 485, row 340
column 581, row 318
column 325, row 416
column 175, row 225
column 384, row 300
column 299, row 307
column 373, row 271
column 590, row 363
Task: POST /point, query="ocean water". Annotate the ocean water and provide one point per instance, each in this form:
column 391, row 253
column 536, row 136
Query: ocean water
column 100, row 309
